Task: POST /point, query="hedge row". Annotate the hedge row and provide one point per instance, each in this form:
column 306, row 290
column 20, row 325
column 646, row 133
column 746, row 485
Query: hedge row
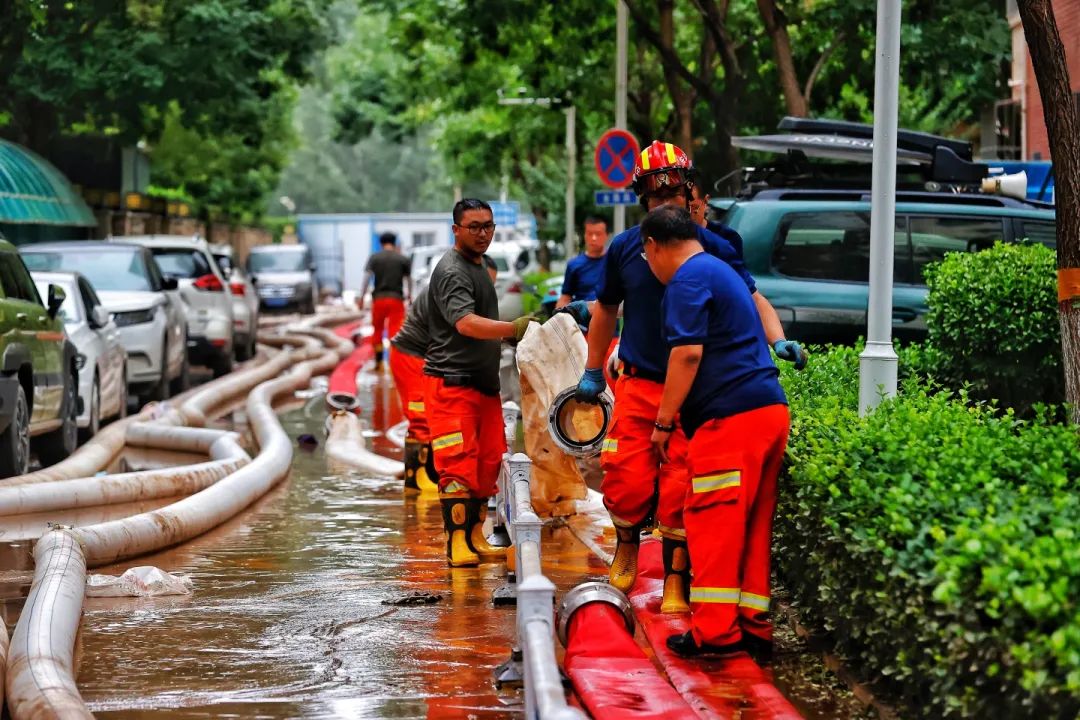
column 936, row 541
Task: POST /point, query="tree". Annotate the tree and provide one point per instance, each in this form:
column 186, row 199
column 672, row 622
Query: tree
column 129, row 68
column 1063, row 128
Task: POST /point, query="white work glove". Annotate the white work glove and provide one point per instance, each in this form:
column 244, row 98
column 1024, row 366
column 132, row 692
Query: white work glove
column 613, row 363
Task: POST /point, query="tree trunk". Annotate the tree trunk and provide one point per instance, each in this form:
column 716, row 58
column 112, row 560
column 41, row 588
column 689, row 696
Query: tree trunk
column 681, row 97
column 776, row 26
column 1063, row 130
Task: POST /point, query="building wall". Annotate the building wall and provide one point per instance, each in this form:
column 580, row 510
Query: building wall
column 342, row 244
column 1067, row 14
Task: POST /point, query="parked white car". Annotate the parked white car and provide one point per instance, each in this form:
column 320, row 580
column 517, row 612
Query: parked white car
column 245, row 302
column 207, row 297
column 101, row 359
column 284, row 276
column 513, row 261
column 144, row 304
column 423, row 260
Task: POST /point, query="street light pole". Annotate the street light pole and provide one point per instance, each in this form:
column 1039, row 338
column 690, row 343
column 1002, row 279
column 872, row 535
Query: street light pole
column 621, row 35
column 571, row 152
column 877, row 364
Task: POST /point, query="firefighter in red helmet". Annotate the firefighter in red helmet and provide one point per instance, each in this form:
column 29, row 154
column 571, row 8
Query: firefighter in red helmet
column 638, row 486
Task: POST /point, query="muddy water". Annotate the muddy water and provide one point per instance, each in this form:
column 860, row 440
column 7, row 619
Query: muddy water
column 288, row 620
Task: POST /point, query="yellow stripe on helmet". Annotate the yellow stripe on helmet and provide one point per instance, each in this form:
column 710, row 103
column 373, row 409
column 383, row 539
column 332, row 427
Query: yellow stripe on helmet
column 670, row 152
column 644, row 159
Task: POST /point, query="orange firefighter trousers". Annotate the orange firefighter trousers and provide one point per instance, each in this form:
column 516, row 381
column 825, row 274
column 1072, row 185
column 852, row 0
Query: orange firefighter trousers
column 467, row 437
column 408, row 373
column 635, row 481
column 387, row 315
column 734, row 463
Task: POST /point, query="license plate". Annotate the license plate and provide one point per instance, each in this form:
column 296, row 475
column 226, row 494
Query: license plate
column 276, row 302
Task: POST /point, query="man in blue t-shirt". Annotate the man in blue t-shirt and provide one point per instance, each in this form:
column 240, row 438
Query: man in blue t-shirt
column 583, row 273
column 724, row 389
column 637, row 481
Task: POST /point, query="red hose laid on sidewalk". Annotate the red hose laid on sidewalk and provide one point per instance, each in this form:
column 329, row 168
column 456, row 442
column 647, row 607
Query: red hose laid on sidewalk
column 612, row 676
column 724, row 688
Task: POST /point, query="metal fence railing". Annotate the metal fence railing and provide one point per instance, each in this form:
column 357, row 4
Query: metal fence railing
column 532, row 661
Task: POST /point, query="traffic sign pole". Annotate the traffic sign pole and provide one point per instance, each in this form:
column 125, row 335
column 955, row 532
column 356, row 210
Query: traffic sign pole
column 621, row 33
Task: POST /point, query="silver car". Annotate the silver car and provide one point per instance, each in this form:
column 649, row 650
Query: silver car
column 101, row 359
column 144, row 304
column 245, row 302
column 207, row 297
column 284, row 276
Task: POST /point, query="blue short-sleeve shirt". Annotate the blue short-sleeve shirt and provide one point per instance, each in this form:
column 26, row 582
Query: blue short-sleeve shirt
column 582, row 277
column 628, row 280
column 707, row 304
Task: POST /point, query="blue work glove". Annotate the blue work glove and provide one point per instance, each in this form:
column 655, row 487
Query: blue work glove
column 791, row 351
column 590, row 386
column 579, row 310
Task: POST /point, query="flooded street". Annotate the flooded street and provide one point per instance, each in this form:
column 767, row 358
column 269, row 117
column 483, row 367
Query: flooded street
column 288, row 616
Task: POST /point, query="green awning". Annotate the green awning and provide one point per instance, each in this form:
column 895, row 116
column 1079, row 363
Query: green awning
column 34, row 192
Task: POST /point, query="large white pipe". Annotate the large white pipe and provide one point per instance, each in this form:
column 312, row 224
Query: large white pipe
column 346, row 445
column 41, row 679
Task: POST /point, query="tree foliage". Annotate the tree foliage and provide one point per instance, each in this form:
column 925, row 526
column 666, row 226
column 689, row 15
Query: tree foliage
column 700, row 71
column 223, row 71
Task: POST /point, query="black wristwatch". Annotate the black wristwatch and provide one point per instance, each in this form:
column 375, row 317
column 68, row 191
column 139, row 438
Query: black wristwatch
column 664, row 428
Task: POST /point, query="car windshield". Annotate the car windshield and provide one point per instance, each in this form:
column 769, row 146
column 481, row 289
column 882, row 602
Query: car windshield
column 501, row 263
column 180, row 263
column 69, row 309
column 276, row 262
column 224, row 262
column 120, row 269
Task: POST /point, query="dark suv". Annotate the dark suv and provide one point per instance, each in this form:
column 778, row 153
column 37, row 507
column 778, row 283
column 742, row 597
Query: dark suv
column 38, row 372
column 807, row 240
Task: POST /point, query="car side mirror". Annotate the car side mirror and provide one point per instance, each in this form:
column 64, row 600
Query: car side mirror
column 99, row 317
column 254, row 279
column 169, row 283
column 57, row 296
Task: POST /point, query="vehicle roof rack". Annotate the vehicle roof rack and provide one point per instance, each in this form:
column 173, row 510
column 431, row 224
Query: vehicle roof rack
column 925, row 162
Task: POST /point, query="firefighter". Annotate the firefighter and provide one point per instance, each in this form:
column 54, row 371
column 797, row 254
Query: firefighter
column 723, row 388
column 637, row 482
column 408, row 348
column 584, row 271
column 392, row 273
column 461, row 388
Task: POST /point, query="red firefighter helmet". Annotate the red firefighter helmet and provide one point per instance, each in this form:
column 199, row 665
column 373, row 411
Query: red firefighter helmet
column 661, row 165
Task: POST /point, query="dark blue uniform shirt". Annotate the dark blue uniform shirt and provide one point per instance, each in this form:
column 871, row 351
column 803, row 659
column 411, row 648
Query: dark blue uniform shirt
column 728, row 234
column 627, row 279
column 707, row 304
column 582, row 277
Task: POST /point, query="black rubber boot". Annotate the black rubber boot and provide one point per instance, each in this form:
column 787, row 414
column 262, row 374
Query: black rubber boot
column 412, row 465
column 456, row 522
column 477, row 513
column 428, row 477
column 676, row 576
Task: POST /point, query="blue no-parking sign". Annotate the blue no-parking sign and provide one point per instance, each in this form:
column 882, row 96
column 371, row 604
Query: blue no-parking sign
column 614, row 158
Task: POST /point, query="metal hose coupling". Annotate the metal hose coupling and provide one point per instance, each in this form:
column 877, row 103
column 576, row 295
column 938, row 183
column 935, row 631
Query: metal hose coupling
column 585, row 594
column 342, row 402
column 578, row 429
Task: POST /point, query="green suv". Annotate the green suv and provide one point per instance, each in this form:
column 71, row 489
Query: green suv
column 804, row 218
column 810, row 252
column 38, row 372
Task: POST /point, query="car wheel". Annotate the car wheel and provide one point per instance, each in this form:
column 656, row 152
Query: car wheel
column 223, row 365
column 94, row 424
column 125, row 395
column 59, row 444
column 160, row 390
column 183, row 380
column 15, row 440
column 243, row 351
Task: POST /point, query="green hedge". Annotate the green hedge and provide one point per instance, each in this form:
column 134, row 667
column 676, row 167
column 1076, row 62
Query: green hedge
column 936, row 542
column 993, row 325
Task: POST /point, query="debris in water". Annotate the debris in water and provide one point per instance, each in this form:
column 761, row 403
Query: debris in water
column 307, row 441
column 414, row 597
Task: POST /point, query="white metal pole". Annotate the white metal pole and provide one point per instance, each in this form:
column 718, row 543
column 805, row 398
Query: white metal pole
column 571, row 161
column 877, row 364
column 621, row 41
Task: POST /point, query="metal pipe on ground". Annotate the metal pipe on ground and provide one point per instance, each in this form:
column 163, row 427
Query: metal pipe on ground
column 347, row 446
column 41, row 680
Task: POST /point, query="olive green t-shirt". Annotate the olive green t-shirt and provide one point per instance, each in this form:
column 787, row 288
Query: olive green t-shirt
column 390, row 269
column 413, row 337
column 458, row 288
